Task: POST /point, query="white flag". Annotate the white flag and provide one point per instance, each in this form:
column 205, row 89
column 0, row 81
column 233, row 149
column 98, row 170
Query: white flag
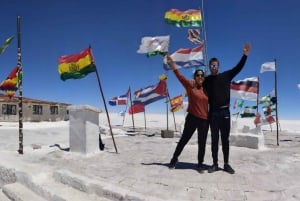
column 154, row 45
column 268, row 66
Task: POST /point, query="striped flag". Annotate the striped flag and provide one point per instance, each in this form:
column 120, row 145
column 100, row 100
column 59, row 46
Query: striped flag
column 194, row 36
column 249, row 111
column 10, row 84
column 151, row 93
column 76, row 66
column 176, row 103
column 187, row 58
column 188, row 18
column 246, row 89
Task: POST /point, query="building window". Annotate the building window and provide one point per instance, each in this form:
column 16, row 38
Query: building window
column 9, row 109
column 53, row 109
column 37, row 109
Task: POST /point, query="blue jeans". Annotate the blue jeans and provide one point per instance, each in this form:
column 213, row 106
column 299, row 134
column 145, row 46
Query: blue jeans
column 219, row 121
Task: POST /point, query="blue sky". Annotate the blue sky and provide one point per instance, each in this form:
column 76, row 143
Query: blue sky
column 114, row 29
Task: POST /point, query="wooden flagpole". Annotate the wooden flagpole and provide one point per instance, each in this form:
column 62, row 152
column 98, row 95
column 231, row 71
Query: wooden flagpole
column 104, row 102
column 169, row 101
column 20, row 79
column 132, row 118
column 276, row 101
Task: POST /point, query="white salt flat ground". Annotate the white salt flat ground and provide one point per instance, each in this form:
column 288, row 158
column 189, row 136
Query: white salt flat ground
column 139, row 170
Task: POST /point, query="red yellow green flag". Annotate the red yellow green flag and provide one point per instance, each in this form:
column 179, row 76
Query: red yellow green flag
column 188, row 18
column 76, row 66
column 176, row 103
column 10, row 84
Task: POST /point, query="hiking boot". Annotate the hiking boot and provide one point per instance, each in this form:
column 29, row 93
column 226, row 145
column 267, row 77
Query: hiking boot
column 228, row 168
column 201, row 168
column 213, row 168
column 173, row 163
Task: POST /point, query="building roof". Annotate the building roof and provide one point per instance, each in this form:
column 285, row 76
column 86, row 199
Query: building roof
column 15, row 99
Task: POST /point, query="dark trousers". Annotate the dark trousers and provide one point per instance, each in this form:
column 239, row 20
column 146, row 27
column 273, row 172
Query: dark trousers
column 191, row 124
column 219, row 121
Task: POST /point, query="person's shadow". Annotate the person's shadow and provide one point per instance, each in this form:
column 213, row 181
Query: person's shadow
column 180, row 165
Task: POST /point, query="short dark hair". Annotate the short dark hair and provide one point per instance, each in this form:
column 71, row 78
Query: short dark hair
column 197, row 70
column 213, row 60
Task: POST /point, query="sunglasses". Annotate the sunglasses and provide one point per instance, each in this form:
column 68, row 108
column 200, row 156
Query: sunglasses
column 214, row 66
column 199, row 75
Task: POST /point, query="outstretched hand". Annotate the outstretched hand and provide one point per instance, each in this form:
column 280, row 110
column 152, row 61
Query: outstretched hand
column 246, row 49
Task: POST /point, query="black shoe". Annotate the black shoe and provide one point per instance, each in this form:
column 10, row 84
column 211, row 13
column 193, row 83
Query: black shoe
column 201, row 168
column 213, row 168
column 228, row 168
column 173, row 163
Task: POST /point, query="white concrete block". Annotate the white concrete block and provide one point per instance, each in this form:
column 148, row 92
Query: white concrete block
column 84, row 129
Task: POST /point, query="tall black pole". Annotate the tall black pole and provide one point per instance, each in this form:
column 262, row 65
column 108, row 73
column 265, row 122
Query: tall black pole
column 19, row 64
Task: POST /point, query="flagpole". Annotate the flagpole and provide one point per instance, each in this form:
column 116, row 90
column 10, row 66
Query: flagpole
column 145, row 119
column 276, row 101
column 172, row 111
column 205, row 41
column 257, row 98
column 125, row 108
column 20, row 79
column 104, row 102
column 131, row 107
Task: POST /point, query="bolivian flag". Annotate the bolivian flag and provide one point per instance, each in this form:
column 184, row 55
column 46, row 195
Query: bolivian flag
column 10, row 84
column 76, row 66
column 188, row 18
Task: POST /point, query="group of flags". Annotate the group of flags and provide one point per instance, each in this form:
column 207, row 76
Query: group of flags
column 248, row 89
column 183, row 57
column 10, row 84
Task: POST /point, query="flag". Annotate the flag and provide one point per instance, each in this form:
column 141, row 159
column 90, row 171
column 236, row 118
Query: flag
column 76, row 66
column 176, row 103
column 10, row 84
column 136, row 108
column 249, row 111
column 151, row 93
column 257, row 119
column 122, row 113
column 264, row 99
column 269, row 109
column 268, row 66
column 270, row 119
column 246, row 89
column 238, row 103
column 187, row 58
column 194, row 36
column 188, row 18
column 120, row 100
column 6, row 44
column 152, row 46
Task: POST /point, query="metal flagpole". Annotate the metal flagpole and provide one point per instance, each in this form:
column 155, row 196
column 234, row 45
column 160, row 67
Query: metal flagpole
column 19, row 64
column 276, row 101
